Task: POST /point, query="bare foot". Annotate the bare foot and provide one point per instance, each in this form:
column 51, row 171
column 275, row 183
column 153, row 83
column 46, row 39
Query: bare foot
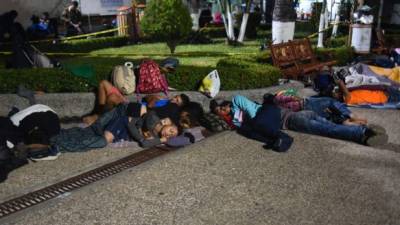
column 89, row 120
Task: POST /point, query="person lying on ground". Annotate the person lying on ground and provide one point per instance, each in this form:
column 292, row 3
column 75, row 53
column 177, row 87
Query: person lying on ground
column 26, row 134
column 243, row 111
column 326, row 107
column 189, row 122
column 358, row 96
column 109, row 96
column 124, row 122
column 148, row 130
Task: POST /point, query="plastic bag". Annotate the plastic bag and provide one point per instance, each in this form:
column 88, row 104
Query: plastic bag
column 211, row 84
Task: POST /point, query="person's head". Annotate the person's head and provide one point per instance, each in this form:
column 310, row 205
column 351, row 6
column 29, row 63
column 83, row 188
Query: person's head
column 220, row 107
column 324, row 85
column 169, row 131
column 13, row 14
column 190, row 115
column 74, row 5
column 181, row 100
column 45, row 16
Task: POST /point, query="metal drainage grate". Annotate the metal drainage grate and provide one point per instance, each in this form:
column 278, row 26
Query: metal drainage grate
column 47, row 193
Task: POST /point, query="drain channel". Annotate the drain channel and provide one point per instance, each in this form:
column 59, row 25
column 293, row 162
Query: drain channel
column 55, row 190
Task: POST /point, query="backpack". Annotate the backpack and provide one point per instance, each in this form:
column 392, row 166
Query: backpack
column 124, row 79
column 213, row 122
column 151, row 80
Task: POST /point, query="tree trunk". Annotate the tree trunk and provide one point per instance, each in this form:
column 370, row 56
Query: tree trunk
column 378, row 26
column 245, row 18
column 321, row 26
column 283, row 21
column 231, row 31
column 172, row 46
column 243, row 27
column 221, row 8
column 337, row 21
column 326, row 23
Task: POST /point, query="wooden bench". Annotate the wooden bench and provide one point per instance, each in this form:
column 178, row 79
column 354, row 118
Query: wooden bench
column 297, row 60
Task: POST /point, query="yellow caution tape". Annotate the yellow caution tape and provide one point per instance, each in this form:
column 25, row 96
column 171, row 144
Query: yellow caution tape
column 76, row 37
column 331, row 25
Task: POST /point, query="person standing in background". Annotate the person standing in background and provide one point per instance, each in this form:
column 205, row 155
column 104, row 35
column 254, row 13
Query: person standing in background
column 73, row 19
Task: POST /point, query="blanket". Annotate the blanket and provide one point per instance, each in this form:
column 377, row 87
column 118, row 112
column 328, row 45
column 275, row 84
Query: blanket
column 360, row 78
column 392, row 73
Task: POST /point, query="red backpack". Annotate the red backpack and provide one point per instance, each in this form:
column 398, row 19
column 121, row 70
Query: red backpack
column 151, row 80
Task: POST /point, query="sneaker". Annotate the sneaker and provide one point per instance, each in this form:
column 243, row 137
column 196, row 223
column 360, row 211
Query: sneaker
column 51, row 153
column 377, row 129
column 375, row 137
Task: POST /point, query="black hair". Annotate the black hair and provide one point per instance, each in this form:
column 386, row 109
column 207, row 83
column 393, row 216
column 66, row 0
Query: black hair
column 13, row 14
column 218, row 103
column 46, row 15
column 191, row 114
column 268, row 99
column 75, row 3
column 185, row 99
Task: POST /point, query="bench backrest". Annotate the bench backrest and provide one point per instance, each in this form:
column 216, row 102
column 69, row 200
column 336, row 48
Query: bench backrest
column 283, row 55
column 303, row 50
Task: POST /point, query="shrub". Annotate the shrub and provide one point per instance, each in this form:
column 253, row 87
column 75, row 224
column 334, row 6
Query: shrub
column 168, row 19
column 196, row 37
column 232, row 78
column 336, row 42
column 213, row 32
column 342, row 55
column 235, row 73
column 48, row 80
column 305, row 26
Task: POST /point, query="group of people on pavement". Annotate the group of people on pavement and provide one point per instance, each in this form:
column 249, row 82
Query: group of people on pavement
column 36, row 133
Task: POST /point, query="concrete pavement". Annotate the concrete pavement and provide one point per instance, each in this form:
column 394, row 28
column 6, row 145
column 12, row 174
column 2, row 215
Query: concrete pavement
column 228, row 179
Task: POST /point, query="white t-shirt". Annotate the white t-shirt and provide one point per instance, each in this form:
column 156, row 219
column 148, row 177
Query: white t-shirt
column 19, row 116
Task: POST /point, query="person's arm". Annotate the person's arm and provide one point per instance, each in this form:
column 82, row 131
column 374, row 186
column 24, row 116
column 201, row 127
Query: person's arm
column 136, row 134
column 152, row 99
column 343, row 89
column 241, row 106
column 64, row 16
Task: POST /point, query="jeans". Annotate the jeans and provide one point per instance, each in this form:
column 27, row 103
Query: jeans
column 309, row 122
column 320, row 104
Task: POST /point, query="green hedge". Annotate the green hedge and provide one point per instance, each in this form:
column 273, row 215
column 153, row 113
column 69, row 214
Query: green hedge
column 48, row 80
column 336, row 42
column 342, row 55
column 235, row 73
column 233, row 76
column 213, row 32
column 81, row 46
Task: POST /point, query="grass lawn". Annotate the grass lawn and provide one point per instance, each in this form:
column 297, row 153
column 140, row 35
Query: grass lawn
column 202, row 55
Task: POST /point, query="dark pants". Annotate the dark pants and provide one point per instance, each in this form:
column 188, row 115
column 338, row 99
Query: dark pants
column 320, row 104
column 309, row 122
column 39, row 127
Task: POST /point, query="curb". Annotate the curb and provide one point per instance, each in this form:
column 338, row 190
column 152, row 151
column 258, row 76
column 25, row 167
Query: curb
column 72, row 105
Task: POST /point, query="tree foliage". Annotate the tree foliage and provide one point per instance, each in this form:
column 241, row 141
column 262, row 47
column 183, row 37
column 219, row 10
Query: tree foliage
column 169, row 20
